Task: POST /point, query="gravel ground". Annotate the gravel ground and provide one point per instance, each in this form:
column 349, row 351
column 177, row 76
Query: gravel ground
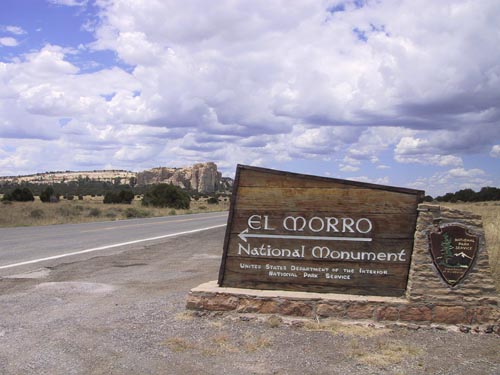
column 125, row 314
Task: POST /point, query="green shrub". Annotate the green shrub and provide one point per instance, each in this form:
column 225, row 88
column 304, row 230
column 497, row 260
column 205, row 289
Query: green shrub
column 172, row 212
column 19, row 195
column 212, row 200
column 124, row 196
column 164, row 195
column 49, row 195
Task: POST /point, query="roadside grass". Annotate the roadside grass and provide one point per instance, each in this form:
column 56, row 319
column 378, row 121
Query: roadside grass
column 90, row 209
column 490, row 211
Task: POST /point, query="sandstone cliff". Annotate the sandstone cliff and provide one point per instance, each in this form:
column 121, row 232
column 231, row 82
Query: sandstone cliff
column 202, row 177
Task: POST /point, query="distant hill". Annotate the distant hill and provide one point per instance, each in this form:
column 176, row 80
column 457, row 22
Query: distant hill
column 201, row 177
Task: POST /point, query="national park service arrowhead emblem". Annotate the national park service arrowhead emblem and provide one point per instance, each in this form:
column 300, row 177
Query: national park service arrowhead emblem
column 453, row 252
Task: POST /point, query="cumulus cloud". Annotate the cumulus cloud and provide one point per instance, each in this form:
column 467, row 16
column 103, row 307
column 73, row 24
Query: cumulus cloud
column 71, row 3
column 8, row 41
column 495, row 151
column 262, row 82
column 16, row 30
column 453, row 180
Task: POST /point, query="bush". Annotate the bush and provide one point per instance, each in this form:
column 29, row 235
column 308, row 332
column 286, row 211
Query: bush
column 19, row 195
column 49, row 195
column 164, row 195
column 132, row 212
column 124, row 196
column 94, row 212
column 212, row 200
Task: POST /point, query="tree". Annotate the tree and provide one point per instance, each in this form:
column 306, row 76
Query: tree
column 164, row 195
column 49, row 195
column 19, row 195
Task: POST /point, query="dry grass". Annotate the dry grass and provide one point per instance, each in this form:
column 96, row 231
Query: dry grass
column 337, row 328
column 221, row 343
column 178, row 344
column 490, row 211
column 90, row 209
column 385, row 353
column 253, row 344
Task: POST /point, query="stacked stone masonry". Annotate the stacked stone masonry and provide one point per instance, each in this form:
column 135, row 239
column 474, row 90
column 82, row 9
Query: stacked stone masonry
column 402, row 311
column 428, row 299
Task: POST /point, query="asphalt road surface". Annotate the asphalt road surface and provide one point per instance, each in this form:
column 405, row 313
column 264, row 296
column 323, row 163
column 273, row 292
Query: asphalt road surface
column 32, row 247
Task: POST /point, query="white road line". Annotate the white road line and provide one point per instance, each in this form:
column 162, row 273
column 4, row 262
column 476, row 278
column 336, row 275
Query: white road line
column 108, row 247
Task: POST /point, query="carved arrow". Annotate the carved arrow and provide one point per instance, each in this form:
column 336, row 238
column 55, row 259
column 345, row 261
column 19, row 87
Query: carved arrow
column 244, row 235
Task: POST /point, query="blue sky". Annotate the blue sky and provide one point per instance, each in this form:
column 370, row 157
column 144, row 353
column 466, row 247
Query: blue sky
column 400, row 93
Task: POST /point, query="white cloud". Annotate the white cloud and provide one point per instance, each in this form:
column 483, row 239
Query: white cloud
column 464, row 173
column 453, row 180
column 440, row 160
column 16, row 30
column 71, row 3
column 348, row 168
column 259, row 82
column 380, row 180
column 8, row 41
column 495, row 151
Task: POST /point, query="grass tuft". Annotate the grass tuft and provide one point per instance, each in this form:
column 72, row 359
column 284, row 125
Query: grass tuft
column 178, row 344
column 337, row 328
column 386, row 353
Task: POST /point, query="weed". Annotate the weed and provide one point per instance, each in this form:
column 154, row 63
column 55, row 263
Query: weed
column 386, row 353
column 37, row 213
column 184, row 316
column 178, row 344
column 274, row 321
column 94, row 212
column 336, row 327
column 133, row 212
column 252, row 344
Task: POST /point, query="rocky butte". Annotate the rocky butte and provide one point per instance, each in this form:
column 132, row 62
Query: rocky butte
column 201, row 177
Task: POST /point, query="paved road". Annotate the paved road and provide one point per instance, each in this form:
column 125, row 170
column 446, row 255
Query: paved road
column 30, row 245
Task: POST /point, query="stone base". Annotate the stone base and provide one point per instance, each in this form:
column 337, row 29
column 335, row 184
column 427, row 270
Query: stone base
column 209, row 296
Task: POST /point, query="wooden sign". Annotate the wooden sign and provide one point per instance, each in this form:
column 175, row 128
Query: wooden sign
column 297, row 232
column 453, row 252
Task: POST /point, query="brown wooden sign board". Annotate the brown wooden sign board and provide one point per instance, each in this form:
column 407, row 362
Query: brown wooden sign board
column 289, row 231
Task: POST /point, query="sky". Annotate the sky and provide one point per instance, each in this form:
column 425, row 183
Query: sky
column 403, row 93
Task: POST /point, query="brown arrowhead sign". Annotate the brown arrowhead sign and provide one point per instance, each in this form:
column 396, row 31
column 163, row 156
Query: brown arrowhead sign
column 453, row 252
